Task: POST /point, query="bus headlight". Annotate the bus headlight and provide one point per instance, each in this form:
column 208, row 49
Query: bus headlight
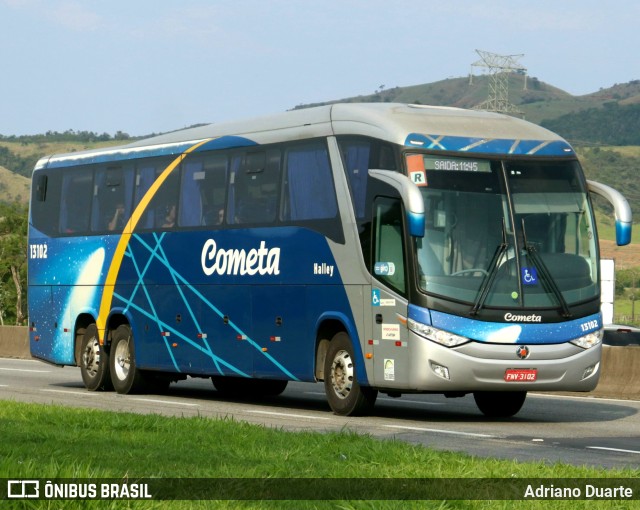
column 436, row 335
column 590, row 340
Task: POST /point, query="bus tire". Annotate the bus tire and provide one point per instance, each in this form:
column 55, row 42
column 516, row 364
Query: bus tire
column 345, row 396
column 499, row 404
column 94, row 362
column 125, row 375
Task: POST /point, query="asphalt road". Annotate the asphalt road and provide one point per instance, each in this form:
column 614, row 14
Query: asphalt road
column 550, row 428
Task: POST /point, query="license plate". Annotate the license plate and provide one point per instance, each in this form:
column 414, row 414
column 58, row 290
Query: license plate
column 521, row 375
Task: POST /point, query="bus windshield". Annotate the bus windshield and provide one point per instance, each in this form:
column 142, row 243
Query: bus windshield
column 506, row 233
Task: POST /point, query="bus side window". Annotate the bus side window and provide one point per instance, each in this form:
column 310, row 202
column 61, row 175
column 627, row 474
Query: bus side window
column 356, row 160
column 204, row 186
column 144, row 179
column 45, row 203
column 191, row 204
column 309, row 193
column 75, row 200
column 253, row 191
column 161, row 211
column 165, row 202
column 40, row 187
column 359, row 155
column 388, row 257
column 112, row 199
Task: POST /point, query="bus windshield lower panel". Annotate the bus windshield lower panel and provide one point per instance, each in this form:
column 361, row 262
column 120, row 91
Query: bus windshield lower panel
column 507, row 234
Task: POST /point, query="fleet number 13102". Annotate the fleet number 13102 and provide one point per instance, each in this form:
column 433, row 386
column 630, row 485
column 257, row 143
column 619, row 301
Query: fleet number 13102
column 38, row 251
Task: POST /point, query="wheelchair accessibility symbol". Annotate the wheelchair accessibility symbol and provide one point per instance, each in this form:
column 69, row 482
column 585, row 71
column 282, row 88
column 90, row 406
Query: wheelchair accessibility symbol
column 529, row 276
column 375, row 297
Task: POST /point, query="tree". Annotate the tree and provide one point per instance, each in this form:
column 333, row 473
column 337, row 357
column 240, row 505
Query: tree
column 13, row 263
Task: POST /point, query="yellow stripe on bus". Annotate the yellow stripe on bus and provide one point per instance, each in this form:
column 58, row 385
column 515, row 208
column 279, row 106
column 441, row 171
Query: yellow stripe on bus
column 116, row 262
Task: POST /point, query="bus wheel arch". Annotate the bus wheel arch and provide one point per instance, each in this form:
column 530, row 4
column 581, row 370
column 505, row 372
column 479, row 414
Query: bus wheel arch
column 83, row 321
column 326, row 331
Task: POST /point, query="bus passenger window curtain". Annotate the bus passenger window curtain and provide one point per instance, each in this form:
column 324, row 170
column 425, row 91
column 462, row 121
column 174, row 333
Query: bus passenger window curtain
column 191, row 202
column 234, row 179
column 64, row 204
column 98, row 208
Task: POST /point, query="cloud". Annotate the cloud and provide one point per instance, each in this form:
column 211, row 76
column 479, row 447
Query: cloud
column 69, row 14
column 75, row 16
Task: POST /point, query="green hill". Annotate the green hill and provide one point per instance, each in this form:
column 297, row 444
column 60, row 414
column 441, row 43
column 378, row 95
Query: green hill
column 609, row 117
column 613, row 124
column 13, row 187
column 466, row 93
column 17, row 159
column 540, row 103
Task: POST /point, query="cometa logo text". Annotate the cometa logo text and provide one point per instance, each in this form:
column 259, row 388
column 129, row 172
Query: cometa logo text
column 509, row 317
column 261, row 261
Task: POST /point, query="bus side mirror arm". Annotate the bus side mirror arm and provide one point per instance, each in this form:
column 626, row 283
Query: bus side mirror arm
column 621, row 208
column 411, row 198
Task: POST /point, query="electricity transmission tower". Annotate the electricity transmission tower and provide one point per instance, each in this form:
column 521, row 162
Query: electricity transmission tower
column 500, row 67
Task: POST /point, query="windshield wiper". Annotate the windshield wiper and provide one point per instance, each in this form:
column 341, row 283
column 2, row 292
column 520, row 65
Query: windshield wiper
column 492, row 271
column 546, row 277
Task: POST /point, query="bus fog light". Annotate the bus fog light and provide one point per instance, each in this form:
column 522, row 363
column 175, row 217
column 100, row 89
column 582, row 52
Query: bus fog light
column 440, row 370
column 589, row 371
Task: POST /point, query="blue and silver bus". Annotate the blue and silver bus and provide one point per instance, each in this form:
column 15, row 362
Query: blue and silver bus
column 375, row 247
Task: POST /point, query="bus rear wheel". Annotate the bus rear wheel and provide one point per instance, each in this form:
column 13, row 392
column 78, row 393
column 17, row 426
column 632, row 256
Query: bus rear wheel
column 499, row 404
column 125, row 375
column 242, row 387
column 344, row 394
column 94, row 361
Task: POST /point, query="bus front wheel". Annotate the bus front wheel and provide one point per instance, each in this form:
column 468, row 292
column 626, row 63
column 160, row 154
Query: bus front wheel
column 499, row 404
column 94, row 361
column 125, row 375
column 345, row 396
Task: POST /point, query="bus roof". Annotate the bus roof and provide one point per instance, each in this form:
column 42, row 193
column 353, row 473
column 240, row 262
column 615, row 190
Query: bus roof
column 439, row 128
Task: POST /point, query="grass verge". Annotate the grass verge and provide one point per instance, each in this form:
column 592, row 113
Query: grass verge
column 49, row 442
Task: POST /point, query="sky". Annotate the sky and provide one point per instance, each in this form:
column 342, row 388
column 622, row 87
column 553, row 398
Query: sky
column 150, row 66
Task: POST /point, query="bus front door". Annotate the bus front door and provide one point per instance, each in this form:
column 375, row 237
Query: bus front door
column 390, row 335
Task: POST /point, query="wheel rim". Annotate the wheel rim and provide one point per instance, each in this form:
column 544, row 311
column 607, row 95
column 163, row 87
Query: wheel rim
column 122, row 363
column 91, row 357
column 342, row 374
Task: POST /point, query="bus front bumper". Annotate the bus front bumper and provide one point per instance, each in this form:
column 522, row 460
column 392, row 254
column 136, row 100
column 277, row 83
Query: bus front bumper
column 479, row 366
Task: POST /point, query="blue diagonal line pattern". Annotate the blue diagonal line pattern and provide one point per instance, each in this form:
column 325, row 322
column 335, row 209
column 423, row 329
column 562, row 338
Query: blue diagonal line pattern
column 157, row 253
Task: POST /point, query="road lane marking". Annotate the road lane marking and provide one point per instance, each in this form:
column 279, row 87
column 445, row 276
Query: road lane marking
column 590, row 398
column 420, row 402
column 612, row 449
column 440, row 431
column 25, row 370
column 18, row 360
column 388, row 399
column 68, row 392
column 287, row 415
column 158, row 401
